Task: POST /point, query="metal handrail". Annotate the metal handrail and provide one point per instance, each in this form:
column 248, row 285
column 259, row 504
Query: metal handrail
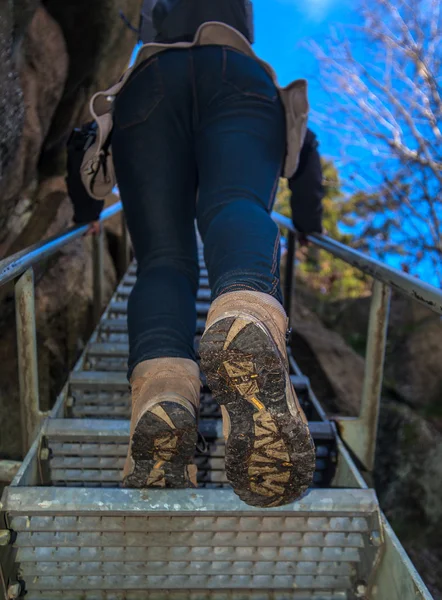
column 18, row 263
column 360, row 433
column 19, row 267
column 422, row 292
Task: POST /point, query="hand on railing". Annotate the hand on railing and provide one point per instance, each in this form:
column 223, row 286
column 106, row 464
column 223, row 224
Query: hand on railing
column 93, row 229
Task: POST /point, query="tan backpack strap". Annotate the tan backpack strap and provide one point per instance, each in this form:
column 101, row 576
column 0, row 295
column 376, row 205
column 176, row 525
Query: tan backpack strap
column 97, row 169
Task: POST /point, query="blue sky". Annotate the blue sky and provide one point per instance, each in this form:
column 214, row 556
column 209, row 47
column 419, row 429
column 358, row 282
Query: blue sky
column 282, row 30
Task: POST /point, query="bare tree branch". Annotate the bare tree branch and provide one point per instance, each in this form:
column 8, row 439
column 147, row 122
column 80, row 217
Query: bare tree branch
column 384, row 82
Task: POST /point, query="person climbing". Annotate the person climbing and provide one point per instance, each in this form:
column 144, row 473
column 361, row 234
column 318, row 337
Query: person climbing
column 201, row 131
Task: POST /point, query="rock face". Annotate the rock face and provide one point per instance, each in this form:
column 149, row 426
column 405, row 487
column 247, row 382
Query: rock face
column 54, row 56
column 99, row 45
column 11, row 95
column 43, row 71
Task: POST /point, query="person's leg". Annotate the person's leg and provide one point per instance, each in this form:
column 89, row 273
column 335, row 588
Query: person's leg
column 156, row 172
column 240, row 148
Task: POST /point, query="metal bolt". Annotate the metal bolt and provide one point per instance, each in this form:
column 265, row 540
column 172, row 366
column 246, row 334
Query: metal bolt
column 361, row 590
column 44, row 454
column 14, row 591
column 70, row 402
column 375, row 538
column 5, row 537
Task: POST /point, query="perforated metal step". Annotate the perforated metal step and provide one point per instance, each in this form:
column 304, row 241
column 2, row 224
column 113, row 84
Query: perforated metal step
column 117, row 540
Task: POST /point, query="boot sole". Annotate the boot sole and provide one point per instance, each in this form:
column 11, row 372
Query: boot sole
column 270, row 454
column 162, row 453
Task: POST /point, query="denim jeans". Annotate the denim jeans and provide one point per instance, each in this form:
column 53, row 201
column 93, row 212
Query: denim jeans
column 198, row 134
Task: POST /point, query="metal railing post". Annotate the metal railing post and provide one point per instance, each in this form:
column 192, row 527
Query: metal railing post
column 289, row 272
column 360, row 434
column 124, row 246
column 98, row 272
column 27, row 357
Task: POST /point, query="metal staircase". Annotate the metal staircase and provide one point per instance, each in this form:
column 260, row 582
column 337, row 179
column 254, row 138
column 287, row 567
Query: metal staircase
column 69, row 530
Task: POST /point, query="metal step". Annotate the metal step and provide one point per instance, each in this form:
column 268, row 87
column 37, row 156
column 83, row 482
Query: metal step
column 120, row 307
column 91, row 452
column 106, row 394
column 119, row 325
column 219, row 594
column 118, row 541
column 124, row 291
column 132, row 271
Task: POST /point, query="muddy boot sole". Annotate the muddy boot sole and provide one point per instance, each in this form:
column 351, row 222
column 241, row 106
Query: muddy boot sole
column 162, row 451
column 270, row 454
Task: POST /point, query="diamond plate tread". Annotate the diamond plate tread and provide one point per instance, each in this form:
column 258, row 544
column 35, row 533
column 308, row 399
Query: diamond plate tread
column 190, row 581
column 186, row 553
column 189, row 595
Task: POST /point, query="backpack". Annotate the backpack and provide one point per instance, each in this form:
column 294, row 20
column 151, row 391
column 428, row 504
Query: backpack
column 171, row 21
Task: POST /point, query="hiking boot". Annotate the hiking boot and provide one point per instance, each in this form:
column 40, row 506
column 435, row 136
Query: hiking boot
column 163, row 429
column 270, row 454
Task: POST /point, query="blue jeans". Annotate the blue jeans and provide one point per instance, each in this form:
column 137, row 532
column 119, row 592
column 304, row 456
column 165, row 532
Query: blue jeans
column 198, row 134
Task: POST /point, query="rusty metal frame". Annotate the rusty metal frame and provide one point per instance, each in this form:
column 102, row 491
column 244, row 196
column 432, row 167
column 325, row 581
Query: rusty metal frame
column 19, row 267
column 360, row 433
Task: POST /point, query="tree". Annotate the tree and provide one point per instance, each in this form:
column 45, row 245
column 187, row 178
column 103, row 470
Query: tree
column 322, row 272
column 385, row 108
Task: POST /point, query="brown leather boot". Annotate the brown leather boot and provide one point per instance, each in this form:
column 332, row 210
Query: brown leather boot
column 270, row 454
column 163, row 429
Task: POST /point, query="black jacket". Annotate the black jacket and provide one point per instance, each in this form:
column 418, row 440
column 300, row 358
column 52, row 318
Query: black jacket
column 307, row 188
